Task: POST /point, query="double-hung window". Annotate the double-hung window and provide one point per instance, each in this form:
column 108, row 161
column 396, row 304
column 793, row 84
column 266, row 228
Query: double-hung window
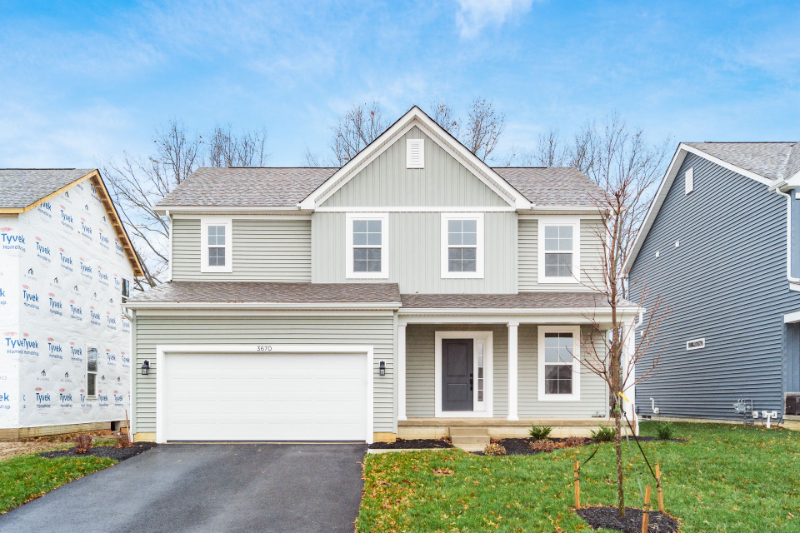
column 462, row 245
column 367, row 245
column 217, row 245
column 559, row 366
column 91, row 371
column 559, row 250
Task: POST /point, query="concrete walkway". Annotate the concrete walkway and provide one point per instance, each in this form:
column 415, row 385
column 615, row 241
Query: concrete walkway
column 214, row 487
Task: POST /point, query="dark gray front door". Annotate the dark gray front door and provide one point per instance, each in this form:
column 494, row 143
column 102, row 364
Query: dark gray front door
column 456, row 374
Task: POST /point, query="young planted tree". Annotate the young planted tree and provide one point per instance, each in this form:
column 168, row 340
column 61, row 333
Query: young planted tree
column 625, row 167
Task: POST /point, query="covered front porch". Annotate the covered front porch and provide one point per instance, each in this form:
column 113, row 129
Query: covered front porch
column 501, row 370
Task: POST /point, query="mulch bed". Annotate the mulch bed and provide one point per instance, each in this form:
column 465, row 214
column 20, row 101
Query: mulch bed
column 120, row 454
column 411, row 444
column 608, row 517
column 522, row 446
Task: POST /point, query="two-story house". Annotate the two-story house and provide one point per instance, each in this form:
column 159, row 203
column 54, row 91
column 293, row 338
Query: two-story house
column 66, row 265
column 721, row 247
column 412, row 290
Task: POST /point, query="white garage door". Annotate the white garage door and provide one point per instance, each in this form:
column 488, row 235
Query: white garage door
column 265, row 396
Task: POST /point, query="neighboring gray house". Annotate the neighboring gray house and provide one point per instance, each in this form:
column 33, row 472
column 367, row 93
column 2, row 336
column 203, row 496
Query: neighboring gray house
column 406, row 292
column 717, row 246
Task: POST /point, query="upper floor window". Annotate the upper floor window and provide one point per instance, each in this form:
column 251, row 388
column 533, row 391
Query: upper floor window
column 559, row 250
column 367, row 245
column 462, row 245
column 217, row 245
column 559, row 366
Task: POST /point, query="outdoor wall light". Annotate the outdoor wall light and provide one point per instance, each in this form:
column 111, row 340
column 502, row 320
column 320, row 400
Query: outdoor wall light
column 145, row 368
column 383, row 368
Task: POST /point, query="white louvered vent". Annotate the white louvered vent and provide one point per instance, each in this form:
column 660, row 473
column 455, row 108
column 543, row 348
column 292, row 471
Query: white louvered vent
column 415, row 153
column 689, row 179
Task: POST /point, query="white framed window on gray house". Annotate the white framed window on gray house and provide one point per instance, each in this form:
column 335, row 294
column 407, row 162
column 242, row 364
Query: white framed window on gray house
column 559, row 255
column 367, row 245
column 91, row 371
column 217, row 244
column 559, row 364
column 462, row 245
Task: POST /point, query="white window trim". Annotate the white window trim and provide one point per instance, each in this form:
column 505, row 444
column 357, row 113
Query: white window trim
column 486, row 337
column 96, row 372
column 205, row 222
column 575, row 222
column 576, row 365
column 446, row 274
column 384, row 218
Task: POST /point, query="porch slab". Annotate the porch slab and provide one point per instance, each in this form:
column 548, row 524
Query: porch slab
column 498, row 428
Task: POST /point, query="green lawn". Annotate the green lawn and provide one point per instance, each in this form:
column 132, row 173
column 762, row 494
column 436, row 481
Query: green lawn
column 26, row 477
column 726, row 478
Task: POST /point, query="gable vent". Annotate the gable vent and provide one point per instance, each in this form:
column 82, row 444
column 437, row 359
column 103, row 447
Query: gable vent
column 689, row 180
column 415, row 153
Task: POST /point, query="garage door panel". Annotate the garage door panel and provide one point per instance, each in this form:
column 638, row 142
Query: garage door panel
column 265, row 397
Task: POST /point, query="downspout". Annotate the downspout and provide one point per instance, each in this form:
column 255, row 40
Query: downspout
column 776, row 187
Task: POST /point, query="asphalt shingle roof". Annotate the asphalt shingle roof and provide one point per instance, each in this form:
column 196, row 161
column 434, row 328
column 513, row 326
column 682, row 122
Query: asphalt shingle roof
column 772, row 160
column 286, row 187
column 217, row 292
column 21, row 187
column 522, row 300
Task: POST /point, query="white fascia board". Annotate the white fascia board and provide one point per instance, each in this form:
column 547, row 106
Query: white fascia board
column 200, row 209
column 416, row 116
column 258, row 305
column 791, row 317
column 495, row 311
column 592, row 211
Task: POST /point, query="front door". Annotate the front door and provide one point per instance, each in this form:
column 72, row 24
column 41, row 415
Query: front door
column 457, row 374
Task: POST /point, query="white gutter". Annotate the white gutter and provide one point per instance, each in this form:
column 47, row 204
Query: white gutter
column 258, row 305
column 777, row 188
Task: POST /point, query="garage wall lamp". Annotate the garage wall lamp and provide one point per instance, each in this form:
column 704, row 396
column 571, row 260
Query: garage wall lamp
column 145, row 367
column 383, row 368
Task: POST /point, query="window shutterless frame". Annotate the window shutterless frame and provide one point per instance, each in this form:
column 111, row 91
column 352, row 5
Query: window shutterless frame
column 216, row 244
column 559, row 362
column 367, row 237
column 462, row 245
column 559, row 253
column 92, row 362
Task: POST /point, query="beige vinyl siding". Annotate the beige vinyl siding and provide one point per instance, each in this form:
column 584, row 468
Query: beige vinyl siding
column 420, row 386
column 415, row 251
column 372, row 329
column 594, row 395
column 420, row 360
column 263, row 250
column 591, row 257
column 387, row 182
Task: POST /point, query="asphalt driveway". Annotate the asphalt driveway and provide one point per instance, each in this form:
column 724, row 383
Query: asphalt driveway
column 208, row 487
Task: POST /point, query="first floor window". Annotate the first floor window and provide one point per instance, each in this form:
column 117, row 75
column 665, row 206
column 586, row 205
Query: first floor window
column 217, row 245
column 462, row 245
column 559, row 367
column 367, row 246
column 91, row 371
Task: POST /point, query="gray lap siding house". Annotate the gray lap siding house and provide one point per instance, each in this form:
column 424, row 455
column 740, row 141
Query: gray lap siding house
column 717, row 256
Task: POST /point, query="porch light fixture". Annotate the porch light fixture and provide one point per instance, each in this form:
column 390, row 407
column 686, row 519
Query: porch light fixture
column 383, row 368
column 145, row 367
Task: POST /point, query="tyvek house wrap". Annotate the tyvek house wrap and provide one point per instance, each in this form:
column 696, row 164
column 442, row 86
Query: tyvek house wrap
column 67, row 294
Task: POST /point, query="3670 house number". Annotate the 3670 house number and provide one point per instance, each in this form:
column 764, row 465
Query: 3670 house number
column 263, row 348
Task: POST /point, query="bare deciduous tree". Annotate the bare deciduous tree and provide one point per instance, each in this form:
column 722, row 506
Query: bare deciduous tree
column 138, row 184
column 355, row 130
column 483, row 129
column 444, row 116
column 549, row 151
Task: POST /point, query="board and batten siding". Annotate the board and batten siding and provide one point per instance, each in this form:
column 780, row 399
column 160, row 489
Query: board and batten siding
column 387, row 182
column 420, row 384
column 724, row 282
column 373, row 329
column 591, row 260
column 263, row 250
column 415, row 253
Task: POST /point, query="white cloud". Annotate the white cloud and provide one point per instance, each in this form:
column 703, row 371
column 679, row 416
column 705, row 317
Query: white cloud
column 474, row 15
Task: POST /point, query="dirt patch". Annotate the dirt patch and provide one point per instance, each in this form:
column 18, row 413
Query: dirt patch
column 120, row 454
column 40, row 444
column 411, row 444
column 608, row 518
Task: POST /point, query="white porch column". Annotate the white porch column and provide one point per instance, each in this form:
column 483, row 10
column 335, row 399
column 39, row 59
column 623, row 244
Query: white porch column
column 513, row 379
column 401, row 372
column 628, row 348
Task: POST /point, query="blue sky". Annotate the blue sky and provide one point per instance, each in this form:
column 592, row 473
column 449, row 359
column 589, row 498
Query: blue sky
column 81, row 82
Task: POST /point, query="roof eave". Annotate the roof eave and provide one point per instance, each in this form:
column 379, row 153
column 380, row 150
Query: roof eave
column 263, row 305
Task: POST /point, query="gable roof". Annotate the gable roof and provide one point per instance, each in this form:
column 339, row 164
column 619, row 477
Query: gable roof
column 23, row 189
column 769, row 163
column 416, row 117
column 553, row 186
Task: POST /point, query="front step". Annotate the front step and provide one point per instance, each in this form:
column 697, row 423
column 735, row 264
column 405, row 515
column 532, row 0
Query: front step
column 470, row 439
